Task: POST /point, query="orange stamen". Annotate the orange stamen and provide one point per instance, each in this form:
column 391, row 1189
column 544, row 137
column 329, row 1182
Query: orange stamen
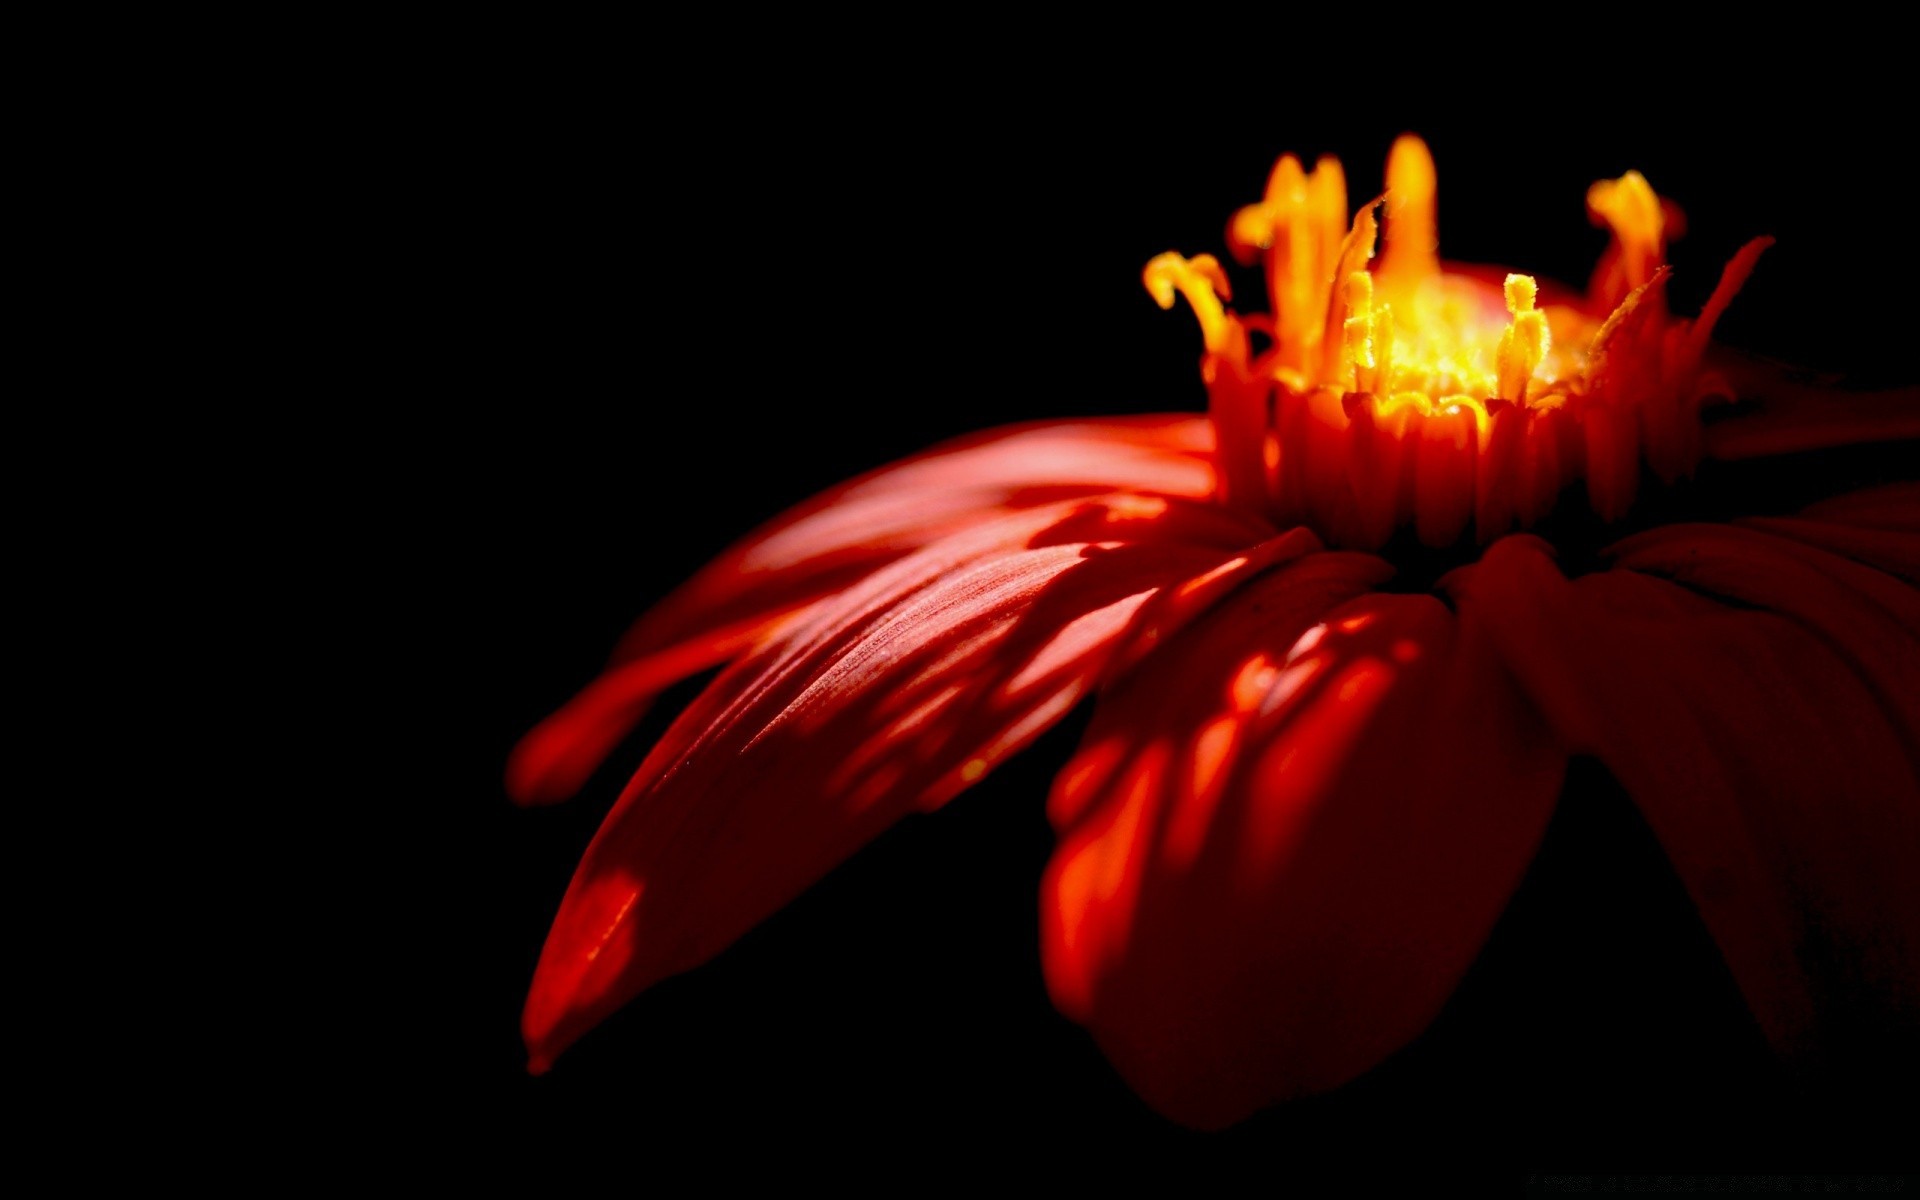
column 1629, row 207
column 1412, row 252
column 1202, row 281
column 1403, row 395
column 1525, row 341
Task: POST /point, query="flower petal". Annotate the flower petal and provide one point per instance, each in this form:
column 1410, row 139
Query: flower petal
column 1791, row 417
column 1889, row 506
column 838, row 538
column 898, row 693
column 557, row 756
column 1876, row 526
column 1870, row 618
column 1286, row 836
column 1891, row 550
column 818, row 547
column 1760, row 756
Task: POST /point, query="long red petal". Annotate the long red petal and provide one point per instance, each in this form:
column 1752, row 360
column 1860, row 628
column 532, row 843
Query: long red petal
column 1876, row 526
column 1285, row 838
column 1762, row 760
column 896, row 694
column 1789, row 416
column 557, row 757
column 816, row 547
column 836, row 539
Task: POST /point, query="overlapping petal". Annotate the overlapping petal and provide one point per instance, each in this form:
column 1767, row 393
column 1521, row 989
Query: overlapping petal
column 752, row 590
column 1286, row 836
column 1788, row 416
column 1759, row 710
column 894, row 694
column 1870, row 619
column 1304, row 803
column 1876, row 526
column 1890, row 506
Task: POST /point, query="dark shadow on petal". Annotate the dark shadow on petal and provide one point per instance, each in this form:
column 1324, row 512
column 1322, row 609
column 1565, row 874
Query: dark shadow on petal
column 1599, row 1025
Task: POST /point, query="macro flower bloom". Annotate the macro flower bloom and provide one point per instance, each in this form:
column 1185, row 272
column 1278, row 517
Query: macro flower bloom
column 1311, row 782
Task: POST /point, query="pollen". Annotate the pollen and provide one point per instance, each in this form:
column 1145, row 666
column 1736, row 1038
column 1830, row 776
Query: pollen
column 1399, row 391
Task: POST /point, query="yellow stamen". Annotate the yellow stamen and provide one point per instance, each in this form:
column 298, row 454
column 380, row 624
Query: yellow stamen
column 1327, row 214
column 1412, row 250
column 1382, row 342
column 1300, row 226
column 1202, row 281
column 1631, row 210
column 1354, row 251
column 1403, row 393
column 1521, row 291
column 1358, row 331
column 1524, row 342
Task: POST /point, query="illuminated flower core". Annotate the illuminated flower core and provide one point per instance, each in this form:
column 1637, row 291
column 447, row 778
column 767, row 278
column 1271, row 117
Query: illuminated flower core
column 1395, row 391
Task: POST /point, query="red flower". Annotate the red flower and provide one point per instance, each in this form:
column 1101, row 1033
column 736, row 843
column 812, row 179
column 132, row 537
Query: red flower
column 1305, row 798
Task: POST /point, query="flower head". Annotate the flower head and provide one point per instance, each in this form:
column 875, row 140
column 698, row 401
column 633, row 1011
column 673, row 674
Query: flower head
column 1395, row 392
column 1305, row 798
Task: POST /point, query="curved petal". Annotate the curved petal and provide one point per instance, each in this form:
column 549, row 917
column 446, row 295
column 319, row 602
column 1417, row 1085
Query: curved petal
column 1285, row 838
column 1894, row 551
column 557, row 757
column 1870, row 618
column 1762, row 760
column 898, row 693
column 1888, row 506
column 834, row 540
column 1877, row 526
column 1789, row 416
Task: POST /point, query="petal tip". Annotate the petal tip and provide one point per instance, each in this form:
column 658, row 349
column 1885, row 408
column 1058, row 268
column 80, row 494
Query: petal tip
column 546, row 1030
column 537, row 776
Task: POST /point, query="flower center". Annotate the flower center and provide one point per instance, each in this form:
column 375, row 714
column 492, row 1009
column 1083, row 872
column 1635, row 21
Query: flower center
column 1394, row 391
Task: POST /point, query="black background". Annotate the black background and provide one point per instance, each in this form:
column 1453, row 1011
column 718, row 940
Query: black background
column 651, row 290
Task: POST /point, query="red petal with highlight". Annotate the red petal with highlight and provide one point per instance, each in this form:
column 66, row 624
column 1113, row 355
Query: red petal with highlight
column 896, row 694
column 1286, row 837
column 834, row 540
column 557, row 757
column 1762, row 760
